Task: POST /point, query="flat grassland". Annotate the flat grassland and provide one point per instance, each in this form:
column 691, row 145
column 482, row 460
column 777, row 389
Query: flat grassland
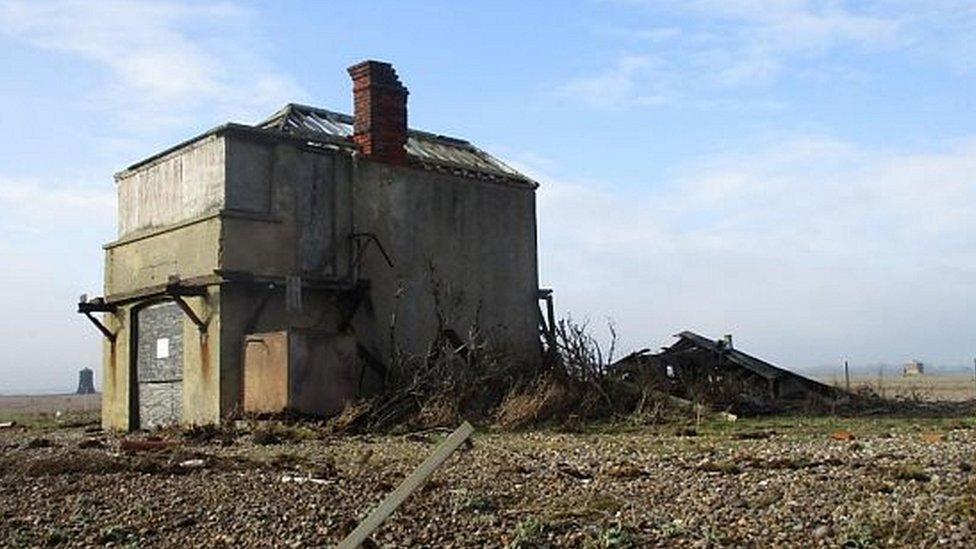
column 33, row 408
column 793, row 481
column 931, row 387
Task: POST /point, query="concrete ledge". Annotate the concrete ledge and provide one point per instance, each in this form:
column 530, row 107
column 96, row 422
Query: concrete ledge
column 223, row 214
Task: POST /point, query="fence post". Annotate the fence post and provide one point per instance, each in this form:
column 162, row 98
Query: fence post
column 847, row 377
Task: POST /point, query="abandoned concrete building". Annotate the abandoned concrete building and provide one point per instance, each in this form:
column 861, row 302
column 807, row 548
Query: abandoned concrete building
column 275, row 266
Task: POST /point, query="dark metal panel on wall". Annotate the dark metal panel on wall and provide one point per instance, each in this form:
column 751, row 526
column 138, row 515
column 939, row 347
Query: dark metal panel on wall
column 159, row 365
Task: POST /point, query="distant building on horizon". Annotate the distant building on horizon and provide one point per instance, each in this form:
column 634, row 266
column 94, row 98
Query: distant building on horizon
column 913, row 368
column 86, row 381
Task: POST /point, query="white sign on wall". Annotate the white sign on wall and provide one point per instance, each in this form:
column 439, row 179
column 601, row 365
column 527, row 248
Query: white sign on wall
column 162, row 347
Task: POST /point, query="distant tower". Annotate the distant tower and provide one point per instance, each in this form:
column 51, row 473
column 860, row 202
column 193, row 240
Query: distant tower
column 913, row 368
column 86, row 381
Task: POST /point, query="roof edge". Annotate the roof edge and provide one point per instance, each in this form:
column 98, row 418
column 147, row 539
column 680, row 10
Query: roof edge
column 229, row 127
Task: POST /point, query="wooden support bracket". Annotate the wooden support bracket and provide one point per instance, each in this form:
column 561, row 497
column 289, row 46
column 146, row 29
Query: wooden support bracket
column 177, row 291
column 109, row 335
column 97, row 305
column 188, row 311
column 407, row 487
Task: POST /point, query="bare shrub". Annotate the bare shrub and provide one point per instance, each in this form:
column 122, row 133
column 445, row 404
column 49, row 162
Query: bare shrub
column 471, row 375
column 546, row 397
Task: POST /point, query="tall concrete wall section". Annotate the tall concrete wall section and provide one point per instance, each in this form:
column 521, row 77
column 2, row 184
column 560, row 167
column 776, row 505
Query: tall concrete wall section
column 181, row 185
column 475, row 239
column 471, row 241
column 115, row 372
column 305, row 229
column 169, row 224
column 249, row 173
column 202, row 360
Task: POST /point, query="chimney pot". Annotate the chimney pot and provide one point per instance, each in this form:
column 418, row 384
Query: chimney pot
column 380, row 112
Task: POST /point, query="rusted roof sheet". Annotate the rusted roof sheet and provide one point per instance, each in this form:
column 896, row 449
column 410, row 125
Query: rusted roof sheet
column 425, row 150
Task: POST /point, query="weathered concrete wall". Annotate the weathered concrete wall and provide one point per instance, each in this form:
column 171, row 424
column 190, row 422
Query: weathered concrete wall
column 189, row 250
column 472, row 242
column 201, row 361
column 115, row 372
column 249, row 309
column 304, row 231
column 182, row 185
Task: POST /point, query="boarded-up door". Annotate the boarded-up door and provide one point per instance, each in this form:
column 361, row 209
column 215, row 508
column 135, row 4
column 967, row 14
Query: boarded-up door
column 159, row 365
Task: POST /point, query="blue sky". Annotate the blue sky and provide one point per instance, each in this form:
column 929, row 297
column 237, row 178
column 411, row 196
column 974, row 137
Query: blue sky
column 799, row 173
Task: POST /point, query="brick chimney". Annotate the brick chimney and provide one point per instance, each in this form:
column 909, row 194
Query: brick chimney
column 380, row 109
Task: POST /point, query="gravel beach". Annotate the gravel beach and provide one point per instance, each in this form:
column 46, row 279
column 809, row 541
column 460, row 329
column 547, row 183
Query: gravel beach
column 775, row 482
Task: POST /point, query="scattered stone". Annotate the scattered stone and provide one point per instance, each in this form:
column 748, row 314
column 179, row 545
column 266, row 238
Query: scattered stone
column 820, row 532
column 728, row 417
column 148, row 445
column 193, row 464
column 303, row 480
column 39, row 443
column 842, row 435
column 639, row 488
column 91, row 443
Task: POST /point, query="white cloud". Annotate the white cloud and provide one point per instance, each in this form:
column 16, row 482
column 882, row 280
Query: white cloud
column 161, row 70
column 50, row 235
column 717, row 45
column 769, row 34
column 34, row 208
column 810, row 250
column 623, row 84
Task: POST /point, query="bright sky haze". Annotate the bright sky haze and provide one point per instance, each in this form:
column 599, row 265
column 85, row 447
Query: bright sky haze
column 801, row 174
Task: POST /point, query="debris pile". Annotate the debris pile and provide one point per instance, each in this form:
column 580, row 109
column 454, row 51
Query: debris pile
column 714, row 372
column 468, row 379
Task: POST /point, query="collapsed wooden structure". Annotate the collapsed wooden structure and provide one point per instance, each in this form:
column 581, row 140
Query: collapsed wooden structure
column 705, row 370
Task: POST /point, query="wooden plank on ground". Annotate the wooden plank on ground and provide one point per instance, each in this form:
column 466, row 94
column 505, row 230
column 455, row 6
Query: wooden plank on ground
column 407, row 487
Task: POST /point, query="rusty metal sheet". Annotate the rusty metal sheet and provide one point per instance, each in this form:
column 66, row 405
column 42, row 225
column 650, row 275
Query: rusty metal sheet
column 266, row 372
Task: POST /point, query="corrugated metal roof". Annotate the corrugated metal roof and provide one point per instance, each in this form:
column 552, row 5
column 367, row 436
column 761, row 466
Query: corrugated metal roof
column 425, row 150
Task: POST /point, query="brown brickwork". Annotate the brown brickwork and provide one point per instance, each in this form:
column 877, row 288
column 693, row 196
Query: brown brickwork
column 380, row 109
